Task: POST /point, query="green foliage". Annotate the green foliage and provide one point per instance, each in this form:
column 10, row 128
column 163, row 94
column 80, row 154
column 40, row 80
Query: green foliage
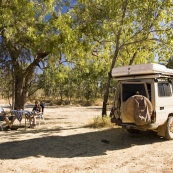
column 170, row 63
column 128, row 27
column 135, row 31
column 5, row 87
column 78, row 48
column 52, row 79
column 31, row 32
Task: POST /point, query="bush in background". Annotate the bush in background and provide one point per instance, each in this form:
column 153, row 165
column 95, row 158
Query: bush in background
column 101, row 122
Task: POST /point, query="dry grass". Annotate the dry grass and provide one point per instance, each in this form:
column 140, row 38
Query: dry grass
column 95, row 102
column 63, row 145
column 100, row 122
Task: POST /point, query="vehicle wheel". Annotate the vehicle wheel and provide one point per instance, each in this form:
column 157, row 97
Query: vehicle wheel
column 169, row 129
column 133, row 131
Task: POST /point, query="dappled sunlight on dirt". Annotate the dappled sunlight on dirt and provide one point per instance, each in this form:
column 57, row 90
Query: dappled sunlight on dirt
column 65, row 144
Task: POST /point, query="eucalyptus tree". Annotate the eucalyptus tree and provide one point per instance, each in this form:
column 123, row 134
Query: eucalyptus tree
column 57, row 81
column 32, row 32
column 126, row 25
column 6, row 87
column 5, row 76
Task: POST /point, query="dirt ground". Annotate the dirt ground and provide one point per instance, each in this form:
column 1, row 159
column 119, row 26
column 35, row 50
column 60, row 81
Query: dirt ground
column 66, row 145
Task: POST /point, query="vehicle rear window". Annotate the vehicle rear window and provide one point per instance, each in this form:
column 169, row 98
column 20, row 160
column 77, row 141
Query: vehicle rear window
column 129, row 90
column 164, row 90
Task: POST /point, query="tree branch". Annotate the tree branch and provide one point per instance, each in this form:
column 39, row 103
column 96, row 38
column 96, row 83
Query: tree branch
column 133, row 58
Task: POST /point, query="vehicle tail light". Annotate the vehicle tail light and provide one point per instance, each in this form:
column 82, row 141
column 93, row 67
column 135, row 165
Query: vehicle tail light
column 153, row 117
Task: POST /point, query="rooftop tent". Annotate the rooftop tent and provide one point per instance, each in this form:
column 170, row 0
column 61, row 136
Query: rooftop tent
column 141, row 69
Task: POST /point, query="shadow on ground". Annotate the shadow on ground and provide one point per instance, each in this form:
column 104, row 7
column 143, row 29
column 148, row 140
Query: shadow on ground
column 78, row 145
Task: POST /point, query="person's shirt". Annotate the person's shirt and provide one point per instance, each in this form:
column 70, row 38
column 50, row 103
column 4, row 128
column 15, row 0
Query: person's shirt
column 37, row 108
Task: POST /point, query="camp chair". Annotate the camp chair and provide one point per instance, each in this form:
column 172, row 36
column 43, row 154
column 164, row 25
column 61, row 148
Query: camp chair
column 2, row 113
column 41, row 115
column 1, row 125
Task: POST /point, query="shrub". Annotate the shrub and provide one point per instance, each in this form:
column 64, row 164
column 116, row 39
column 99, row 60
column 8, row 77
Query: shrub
column 100, row 122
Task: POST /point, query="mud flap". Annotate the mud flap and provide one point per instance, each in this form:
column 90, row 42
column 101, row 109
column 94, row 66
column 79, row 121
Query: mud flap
column 116, row 121
column 161, row 130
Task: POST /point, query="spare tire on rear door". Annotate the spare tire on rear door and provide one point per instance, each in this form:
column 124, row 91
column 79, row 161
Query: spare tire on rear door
column 138, row 109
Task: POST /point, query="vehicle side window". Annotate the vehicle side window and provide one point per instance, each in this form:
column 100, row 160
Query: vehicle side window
column 164, row 90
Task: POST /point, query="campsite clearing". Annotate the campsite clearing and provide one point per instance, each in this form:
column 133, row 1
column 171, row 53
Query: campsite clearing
column 67, row 145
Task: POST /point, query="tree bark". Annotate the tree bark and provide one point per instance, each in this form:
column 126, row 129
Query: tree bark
column 104, row 109
column 21, row 89
column 133, row 58
column 22, row 80
column 117, row 48
column 106, row 94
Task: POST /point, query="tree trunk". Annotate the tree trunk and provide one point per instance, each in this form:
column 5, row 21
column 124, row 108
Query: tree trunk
column 106, row 94
column 124, row 9
column 133, row 58
column 61, row 93
column 20, row 92
column 13, row 90
column 22, row 72
column 22, row 78
column 104, row 109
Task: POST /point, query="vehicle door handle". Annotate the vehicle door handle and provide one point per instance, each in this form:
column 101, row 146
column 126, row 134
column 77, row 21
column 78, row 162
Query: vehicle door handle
column 162, row 108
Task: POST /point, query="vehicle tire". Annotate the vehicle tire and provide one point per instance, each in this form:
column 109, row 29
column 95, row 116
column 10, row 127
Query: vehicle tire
column 169, row 128
column 133, row 131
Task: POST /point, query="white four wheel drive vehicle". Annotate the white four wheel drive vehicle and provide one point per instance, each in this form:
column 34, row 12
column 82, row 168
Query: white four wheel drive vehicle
column 144, row 99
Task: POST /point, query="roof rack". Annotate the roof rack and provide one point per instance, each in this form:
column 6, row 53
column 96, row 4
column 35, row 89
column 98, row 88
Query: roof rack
column 149, row 76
